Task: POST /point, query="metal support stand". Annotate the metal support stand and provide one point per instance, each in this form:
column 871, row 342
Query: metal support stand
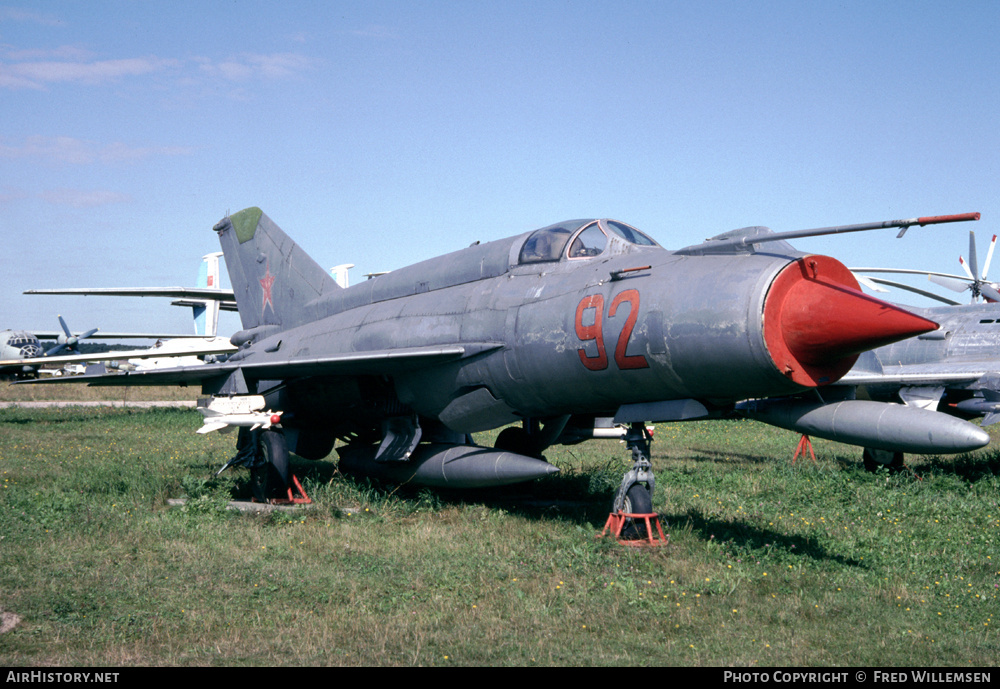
column 293, row 499
column 804, row 444
column 617, row 521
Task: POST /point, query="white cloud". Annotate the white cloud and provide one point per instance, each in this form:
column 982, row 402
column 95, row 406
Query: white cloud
column 36, row 75
column 250, row 65
column 80, row 198
column 65, row 52
column 38, row 69
column 11, row 194
column 68, row 150
column 16, row 14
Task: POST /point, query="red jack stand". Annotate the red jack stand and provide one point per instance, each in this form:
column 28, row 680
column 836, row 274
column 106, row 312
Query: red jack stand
column 292, row 499
column 616, row 522
column 804, row 444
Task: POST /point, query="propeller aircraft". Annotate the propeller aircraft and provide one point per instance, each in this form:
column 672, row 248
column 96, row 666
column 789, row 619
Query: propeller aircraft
column 973, row 281
column 21, row 351
column 558, row 332
column 205, row 300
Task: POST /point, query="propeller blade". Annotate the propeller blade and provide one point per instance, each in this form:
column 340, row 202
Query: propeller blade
column 55, row 350
column 966, row 269
column 88, row 334
column 989, row 256
column 955, row 285
column 973, row 263
column 64, row 327
column 989, row 291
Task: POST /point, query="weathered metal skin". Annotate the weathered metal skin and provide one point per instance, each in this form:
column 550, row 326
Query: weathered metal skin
column 697, row 334
column 576, row 336
column 580, row 319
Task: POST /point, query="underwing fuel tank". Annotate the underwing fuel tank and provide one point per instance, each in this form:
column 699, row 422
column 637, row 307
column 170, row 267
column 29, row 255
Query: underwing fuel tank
column 443, row 465
column 875, row 425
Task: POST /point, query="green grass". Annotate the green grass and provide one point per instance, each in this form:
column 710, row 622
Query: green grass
column 768, row 563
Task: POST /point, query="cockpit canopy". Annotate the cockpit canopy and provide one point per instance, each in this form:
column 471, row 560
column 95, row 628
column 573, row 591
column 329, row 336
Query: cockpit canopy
column 18, row 338
column 577, row 239
column 26, row 343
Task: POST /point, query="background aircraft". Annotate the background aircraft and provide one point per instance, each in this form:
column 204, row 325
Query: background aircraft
column 22, row 352
column 16, row 345
column 169, row 350
column 206, row 299
column 553, row 329
column 955, row 369
column 974, row 282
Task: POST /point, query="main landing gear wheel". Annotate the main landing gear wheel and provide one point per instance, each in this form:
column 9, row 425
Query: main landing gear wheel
column 269, row 473
column 637, row 501
column 873, row 459
column 635, row 493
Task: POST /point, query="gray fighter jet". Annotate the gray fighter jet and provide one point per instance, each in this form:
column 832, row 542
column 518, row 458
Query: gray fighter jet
column 564, row 331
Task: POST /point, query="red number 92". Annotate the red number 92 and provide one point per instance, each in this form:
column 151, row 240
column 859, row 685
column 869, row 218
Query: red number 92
column 594, row 332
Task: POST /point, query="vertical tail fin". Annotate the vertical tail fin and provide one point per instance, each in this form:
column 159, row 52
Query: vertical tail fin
column 206, row 311
column 273, row 280
column 339, row 274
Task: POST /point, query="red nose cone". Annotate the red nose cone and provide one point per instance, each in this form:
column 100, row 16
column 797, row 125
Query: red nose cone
column 275, row 419
column 817, row 320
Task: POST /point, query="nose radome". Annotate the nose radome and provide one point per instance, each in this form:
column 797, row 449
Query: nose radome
column 817, row 320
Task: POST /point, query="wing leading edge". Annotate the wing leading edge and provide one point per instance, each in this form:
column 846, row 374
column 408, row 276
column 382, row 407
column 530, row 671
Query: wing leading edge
column 378, row 362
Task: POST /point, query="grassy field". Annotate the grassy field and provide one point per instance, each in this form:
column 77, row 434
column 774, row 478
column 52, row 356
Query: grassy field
column 83, row 393
column 768, row 563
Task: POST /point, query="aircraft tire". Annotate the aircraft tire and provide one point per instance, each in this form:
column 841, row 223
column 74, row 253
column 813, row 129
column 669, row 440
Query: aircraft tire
column 637, row 501
column 874, row 459
column 270, row 479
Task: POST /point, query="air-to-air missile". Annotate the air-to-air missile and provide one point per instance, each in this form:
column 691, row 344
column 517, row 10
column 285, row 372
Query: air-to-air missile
column 223, row 414
column 550, row 329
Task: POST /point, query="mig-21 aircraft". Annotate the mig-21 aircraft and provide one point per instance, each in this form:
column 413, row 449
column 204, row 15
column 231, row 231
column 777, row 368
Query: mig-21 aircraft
column 562, row 330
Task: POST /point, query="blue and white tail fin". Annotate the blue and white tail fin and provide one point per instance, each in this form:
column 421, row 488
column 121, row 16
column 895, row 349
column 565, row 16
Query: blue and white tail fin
column 206, row 311
column 339, row 274
column 274, row 281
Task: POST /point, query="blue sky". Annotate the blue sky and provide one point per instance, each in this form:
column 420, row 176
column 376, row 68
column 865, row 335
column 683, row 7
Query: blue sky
column 383, row 133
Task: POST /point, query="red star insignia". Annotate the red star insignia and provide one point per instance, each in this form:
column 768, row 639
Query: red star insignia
column 266, row 283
